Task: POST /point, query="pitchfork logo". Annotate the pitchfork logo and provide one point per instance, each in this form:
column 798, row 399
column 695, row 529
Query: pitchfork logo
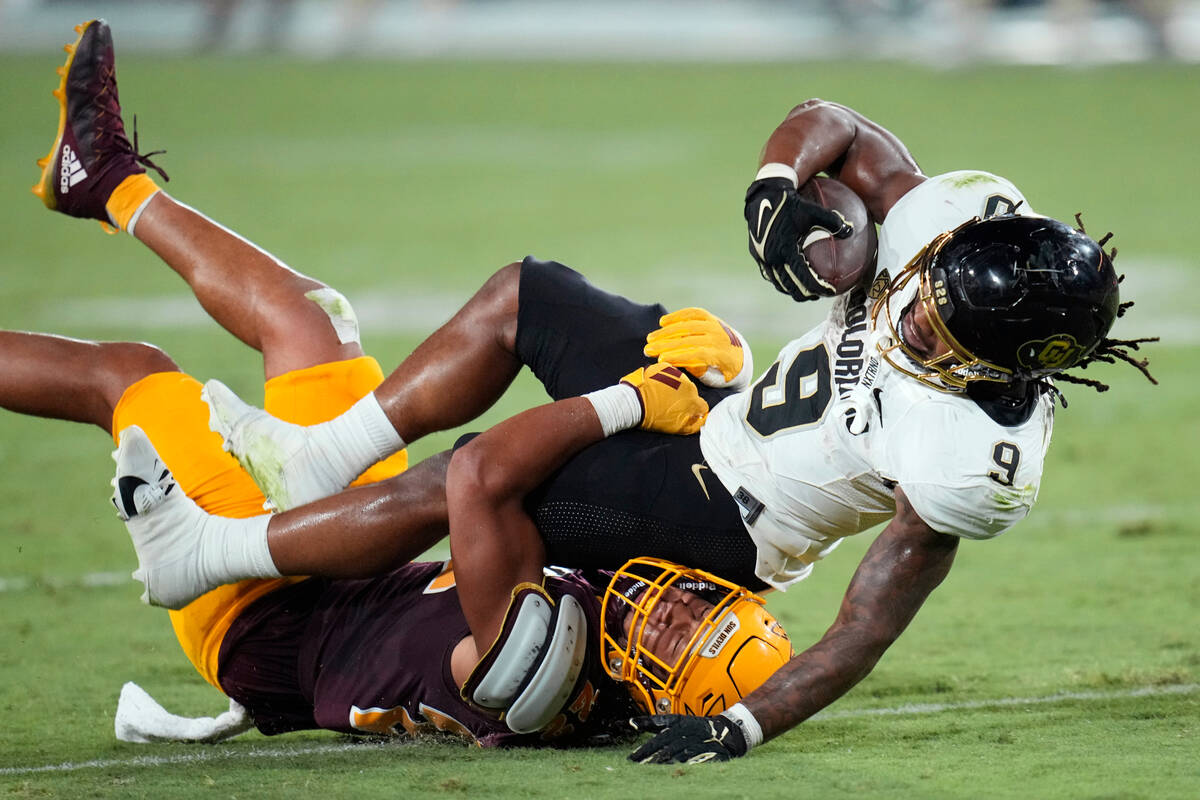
column 1054, row 352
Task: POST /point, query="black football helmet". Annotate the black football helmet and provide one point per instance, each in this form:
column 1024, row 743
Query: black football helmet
column 1012, row 298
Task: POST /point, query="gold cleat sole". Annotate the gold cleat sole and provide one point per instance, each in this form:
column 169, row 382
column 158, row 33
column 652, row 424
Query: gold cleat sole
column 44, row 188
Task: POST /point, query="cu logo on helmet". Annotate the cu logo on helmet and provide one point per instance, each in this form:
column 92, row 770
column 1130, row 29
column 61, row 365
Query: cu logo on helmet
column 1055, row 352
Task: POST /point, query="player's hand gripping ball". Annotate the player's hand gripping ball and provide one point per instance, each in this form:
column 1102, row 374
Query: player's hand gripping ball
column 809, row 243
column 697, row 341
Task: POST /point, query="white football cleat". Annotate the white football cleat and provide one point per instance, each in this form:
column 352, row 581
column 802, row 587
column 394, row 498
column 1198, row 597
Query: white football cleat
column 279, row 456
column 166, row 526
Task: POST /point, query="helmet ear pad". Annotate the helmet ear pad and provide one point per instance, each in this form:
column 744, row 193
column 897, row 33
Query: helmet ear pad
column 1030, row 295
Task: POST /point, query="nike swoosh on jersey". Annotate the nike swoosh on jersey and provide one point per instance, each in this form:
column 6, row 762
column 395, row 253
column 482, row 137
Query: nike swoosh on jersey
column 696, row 471
column 757, row 242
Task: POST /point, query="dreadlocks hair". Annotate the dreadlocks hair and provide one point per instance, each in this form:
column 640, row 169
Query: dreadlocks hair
column 1109, row 351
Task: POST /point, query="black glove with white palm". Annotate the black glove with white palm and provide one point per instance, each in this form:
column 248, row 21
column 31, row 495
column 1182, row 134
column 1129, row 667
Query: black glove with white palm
column 691, row 740
column 780, row 223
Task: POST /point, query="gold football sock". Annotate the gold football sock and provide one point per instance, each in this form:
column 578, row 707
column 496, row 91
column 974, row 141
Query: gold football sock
column 129, row 198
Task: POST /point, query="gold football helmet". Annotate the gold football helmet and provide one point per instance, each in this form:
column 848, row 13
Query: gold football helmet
column 687, row 642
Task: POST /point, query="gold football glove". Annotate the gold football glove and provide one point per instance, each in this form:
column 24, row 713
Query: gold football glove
column 695, row 340
column 670, row 402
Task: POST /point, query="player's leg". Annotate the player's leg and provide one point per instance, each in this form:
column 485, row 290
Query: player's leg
column 185, row 551
column 365, row 530
column 293, row 320
column 93, row 171
column 498, row 478
column 574, row 337
column 359, row 532
column 452, row 377
column 72, row 379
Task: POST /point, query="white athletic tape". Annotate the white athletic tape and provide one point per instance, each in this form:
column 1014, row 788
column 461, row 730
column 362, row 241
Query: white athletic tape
column 517, row 655
column 137, row 214
column 618, row 407
column 341, row 313
column 751, row 730
column 549, row 688
column 777, row 170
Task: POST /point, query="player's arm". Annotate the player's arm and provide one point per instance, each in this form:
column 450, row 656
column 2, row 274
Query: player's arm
column 903, row 565
column 526, row 646
column 493, row 542
column 819, row 137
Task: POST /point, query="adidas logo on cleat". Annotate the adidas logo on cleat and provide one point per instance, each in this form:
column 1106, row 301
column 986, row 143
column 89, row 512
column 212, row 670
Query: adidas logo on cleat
column 71, row 170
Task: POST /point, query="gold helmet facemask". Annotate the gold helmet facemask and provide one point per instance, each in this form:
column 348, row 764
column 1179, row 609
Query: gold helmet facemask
column 953, row 366
column 735, row 647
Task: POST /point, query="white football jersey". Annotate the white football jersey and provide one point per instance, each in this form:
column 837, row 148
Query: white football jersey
column 784, row 448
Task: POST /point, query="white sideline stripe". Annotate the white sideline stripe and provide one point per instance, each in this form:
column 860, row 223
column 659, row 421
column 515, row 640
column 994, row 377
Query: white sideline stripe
column 1006, row 702
column 195, row 758
column 91, row 579
column 1163, row 286
column 288, row 752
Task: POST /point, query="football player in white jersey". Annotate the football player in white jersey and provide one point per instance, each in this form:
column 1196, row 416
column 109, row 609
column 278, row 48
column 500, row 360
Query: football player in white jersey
column 924, row 398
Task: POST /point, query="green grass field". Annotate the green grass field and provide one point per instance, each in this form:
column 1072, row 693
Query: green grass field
column 1060, row 660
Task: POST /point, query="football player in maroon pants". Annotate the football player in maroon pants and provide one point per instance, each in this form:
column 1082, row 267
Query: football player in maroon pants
column 925, row 399
column 385, row 654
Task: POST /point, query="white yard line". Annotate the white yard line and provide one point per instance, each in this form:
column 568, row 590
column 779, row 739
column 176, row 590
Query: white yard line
column 1006, row 702
column 229, row 754
column 91, row 579
column 201, row 756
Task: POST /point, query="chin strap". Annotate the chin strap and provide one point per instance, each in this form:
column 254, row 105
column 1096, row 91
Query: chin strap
column 531, row 668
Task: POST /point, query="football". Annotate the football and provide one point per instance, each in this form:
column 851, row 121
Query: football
column 841, row 262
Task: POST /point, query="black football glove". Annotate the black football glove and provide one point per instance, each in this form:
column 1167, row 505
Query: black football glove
column 691, row 740
column 779, row 221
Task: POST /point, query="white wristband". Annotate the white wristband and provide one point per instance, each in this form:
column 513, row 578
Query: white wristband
column 619, row 407
column 739, row 715
column 777, row 170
